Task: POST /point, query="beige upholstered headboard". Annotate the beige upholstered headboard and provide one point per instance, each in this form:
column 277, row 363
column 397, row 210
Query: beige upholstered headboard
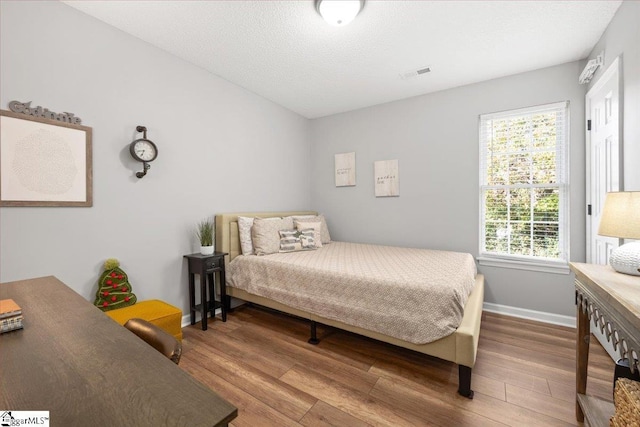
column 227, row 236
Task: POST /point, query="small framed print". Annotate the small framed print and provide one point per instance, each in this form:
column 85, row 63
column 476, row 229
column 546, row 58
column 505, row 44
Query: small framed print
column 44, row 162
column 387, row 182
column 345, row 164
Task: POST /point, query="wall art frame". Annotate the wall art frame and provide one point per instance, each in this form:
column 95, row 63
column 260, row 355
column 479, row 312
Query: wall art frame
column 386, row 178
column 44, row 162
column 345, row 167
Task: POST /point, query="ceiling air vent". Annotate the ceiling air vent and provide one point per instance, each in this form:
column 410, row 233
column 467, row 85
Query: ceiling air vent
column 415, row 73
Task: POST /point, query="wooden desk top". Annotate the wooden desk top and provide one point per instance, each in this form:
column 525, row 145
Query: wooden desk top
column 619, row 291
column 85, row 369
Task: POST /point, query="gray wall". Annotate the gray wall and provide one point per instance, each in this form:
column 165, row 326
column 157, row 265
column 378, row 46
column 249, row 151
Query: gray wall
column 220, row 146
column 435, row 139
column 219, row 150
column 622, row 38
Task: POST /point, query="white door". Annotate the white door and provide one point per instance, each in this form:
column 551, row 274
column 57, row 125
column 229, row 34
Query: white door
column 603, row 157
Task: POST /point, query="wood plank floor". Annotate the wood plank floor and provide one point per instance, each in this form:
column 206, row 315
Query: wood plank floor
column 260, row 361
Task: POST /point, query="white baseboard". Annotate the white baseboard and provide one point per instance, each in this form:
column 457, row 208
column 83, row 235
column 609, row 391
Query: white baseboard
column 555, row 319
column 186, row 320
column 523, row 313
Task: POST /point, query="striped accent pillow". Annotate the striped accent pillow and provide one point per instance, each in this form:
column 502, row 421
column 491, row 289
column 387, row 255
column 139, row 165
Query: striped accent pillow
column 297, row 240
column 324, row 230
column 315, row 226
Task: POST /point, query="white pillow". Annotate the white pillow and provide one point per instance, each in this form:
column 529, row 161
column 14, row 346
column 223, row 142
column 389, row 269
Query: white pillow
column 315, row 225
column 244, row 230
column 265, row 234
column 324, row 230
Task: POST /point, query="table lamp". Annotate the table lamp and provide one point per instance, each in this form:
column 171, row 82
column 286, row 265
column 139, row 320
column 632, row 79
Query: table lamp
column 621, row 218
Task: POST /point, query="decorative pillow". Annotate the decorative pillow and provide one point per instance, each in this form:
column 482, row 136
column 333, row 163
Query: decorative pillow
column 324, row 230
column 316, row 226
column 266, row 239
column 244, row 229
column 297, row 240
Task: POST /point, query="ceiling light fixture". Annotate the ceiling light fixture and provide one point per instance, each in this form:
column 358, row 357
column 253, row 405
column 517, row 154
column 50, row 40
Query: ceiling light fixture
column 339, row 12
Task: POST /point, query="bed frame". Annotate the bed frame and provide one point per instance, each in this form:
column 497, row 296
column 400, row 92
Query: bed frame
column 460, row 347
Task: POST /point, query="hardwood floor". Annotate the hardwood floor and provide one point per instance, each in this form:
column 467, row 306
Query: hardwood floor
column 260, row 361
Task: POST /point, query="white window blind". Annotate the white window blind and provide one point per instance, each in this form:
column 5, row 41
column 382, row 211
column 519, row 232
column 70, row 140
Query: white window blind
column 524, row 184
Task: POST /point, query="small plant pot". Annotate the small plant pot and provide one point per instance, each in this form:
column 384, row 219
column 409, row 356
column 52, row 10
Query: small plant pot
column 206, row 250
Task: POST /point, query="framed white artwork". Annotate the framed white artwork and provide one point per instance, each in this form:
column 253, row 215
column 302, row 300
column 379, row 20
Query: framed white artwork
column 44, row 162
column 345, row 164
column 387, row 182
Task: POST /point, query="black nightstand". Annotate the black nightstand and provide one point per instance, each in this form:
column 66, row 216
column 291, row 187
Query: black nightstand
column 206, row 266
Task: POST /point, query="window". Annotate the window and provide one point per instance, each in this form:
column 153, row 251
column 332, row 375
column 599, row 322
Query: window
column 524, row 188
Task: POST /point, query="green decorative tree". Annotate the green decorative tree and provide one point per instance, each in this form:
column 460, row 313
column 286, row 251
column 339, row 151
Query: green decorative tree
column 114, row 290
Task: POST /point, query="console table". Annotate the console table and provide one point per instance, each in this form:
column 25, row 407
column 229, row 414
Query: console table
column 72, row 360
column 612, row 301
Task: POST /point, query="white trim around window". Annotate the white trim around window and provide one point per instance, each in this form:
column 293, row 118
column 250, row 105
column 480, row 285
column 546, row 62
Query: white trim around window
column 524, row 188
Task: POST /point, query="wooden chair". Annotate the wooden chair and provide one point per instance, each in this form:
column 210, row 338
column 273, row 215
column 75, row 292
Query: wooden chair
column 156, row 337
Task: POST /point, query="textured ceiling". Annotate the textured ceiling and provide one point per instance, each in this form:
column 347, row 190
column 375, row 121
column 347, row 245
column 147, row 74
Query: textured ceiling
column 285, row 52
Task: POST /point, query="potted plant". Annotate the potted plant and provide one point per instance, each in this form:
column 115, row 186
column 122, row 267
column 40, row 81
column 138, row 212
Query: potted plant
column 205, row 236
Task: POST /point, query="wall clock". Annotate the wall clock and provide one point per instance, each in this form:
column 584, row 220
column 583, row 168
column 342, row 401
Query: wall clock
column 143, row 150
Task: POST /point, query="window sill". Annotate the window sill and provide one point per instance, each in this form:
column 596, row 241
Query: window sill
column 555, row 267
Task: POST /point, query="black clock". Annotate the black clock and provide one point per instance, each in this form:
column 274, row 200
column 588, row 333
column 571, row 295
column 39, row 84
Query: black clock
column 143, row 150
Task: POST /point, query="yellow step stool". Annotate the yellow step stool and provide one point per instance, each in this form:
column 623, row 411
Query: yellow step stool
column 158, row 312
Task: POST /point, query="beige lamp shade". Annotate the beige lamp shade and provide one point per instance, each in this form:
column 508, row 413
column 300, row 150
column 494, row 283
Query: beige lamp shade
column 621, row 215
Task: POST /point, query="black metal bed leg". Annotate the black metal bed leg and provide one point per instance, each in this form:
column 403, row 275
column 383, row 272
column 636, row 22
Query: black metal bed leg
column 464, row 381
column 314, row 338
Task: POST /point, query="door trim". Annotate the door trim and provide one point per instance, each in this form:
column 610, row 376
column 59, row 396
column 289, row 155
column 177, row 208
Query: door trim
column 613, row 71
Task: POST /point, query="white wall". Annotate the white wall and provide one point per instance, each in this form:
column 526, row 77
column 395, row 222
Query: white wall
column 622, row 38
column 435, row 138
column 220, row 149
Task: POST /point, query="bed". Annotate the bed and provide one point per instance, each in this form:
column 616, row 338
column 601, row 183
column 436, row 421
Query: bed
column 459, row 347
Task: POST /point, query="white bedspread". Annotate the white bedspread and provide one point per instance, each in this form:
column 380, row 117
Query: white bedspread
column 416, row 295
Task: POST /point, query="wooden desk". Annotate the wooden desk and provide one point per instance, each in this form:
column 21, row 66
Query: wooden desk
column 85, row 369
column 612, row 300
